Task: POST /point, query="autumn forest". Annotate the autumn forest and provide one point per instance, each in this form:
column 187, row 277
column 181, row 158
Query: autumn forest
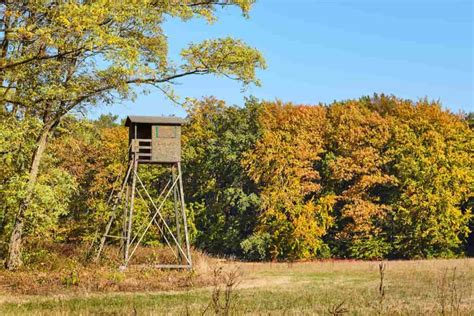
column 377, row 177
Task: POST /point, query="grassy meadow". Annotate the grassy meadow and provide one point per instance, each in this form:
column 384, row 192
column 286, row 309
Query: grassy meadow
column 323, row 287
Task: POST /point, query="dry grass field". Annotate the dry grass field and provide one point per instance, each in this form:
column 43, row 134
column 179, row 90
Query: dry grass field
column 428, row 287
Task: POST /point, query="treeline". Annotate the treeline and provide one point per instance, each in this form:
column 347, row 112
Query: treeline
column 378, row 177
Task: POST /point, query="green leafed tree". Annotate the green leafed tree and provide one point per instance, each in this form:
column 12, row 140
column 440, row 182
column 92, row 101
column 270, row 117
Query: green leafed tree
column 223, row 198
column 63, row 56
column 431, row 157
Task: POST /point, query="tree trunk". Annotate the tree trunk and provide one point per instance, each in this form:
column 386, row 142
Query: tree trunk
column 15, row 247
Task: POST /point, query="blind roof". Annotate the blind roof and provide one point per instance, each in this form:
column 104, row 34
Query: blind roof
column 164, row 120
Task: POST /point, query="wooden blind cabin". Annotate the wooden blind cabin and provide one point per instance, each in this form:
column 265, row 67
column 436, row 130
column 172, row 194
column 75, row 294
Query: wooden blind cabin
column 155, row 139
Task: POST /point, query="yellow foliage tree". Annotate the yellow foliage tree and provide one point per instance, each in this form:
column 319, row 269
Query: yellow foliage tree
column 357, row 141
column 282, row 163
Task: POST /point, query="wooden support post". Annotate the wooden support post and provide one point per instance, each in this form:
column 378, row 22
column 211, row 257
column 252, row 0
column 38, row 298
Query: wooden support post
column 183, row 210
column 177, row 202
column 124, row 221
column 112, row 216
column 130, row 213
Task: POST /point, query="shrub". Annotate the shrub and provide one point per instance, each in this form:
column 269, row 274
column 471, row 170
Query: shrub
column 256, row 247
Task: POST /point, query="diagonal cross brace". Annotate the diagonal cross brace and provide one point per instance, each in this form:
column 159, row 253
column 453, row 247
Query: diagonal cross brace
column 156, row 222
column 157, row 212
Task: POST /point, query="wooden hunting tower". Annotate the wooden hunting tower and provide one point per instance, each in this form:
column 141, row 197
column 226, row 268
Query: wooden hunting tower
column 155, row 139
column 152, row 140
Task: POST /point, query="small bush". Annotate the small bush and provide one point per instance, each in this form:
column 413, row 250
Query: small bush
column 256, row 247
column 36, row 256
column 72, row 279
column 116, row 277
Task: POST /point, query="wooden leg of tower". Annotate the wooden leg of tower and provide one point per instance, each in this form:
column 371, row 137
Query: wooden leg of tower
column 130, row 213
column 183, row 211
column 124, row 221
column 177, row 202
column 104, row 237
column 112, row 216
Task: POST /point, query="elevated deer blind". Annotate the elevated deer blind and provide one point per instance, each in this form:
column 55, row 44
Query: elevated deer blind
column 152, row 140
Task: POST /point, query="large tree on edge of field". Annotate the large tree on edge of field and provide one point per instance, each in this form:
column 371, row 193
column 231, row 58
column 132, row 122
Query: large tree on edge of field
column 294, row 213
column 58, row 56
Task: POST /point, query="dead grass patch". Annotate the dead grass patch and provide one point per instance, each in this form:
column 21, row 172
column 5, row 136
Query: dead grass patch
column 65, row 270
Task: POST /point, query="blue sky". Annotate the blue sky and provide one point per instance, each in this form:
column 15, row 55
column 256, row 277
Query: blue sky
column 325, row 50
